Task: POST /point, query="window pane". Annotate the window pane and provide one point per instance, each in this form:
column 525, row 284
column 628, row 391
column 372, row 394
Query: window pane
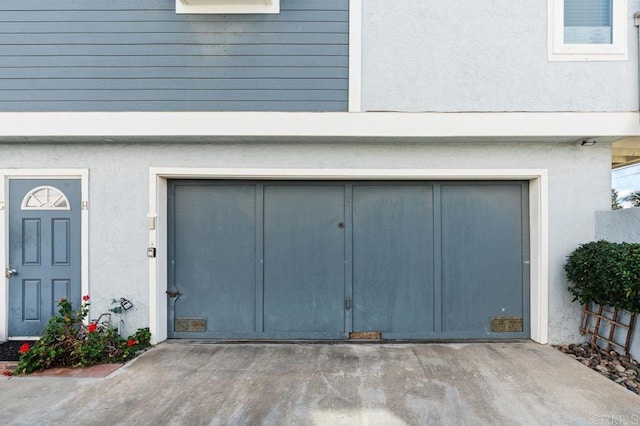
column 587, row 21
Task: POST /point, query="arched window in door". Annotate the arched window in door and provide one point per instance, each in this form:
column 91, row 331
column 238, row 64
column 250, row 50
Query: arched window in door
column 45, row 198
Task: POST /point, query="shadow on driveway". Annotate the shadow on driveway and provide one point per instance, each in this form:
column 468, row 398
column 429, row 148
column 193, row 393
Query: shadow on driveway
column 320, row 384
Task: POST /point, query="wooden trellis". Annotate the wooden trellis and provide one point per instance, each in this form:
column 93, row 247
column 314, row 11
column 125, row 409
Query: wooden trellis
column 607, row 325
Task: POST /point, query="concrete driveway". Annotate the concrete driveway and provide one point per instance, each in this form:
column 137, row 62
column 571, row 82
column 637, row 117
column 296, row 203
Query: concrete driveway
column 322, row 384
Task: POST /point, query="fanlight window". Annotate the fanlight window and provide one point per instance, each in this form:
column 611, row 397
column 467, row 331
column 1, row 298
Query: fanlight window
column 45, row 198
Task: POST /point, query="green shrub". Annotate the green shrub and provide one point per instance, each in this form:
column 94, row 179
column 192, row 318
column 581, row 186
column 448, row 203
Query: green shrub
column 68, row 342
column 606, row 273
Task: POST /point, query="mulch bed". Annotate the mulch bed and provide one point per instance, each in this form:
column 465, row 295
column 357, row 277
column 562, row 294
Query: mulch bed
column 622, row 369
column 9, row 350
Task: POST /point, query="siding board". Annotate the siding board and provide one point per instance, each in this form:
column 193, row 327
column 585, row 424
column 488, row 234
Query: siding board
column 171, row 94
column 49, row 5
column 172, row 27
column 172, row 60
column 191, row 105
column 172, row 84
column 176, row 49
column 307, row 39
column 124, row 73
column 138, row 55
column 168, row 16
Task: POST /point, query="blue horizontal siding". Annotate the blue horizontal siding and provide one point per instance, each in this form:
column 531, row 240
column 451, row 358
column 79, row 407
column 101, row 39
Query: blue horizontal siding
column 138, row 55
column 107, row 5
column 174, row 61
column 191, row 38
column 125, row 73
column 179, row 50
column 171, row 94
column 124, row 15
column 236, row 26
column 159, row 84
column 173, row 105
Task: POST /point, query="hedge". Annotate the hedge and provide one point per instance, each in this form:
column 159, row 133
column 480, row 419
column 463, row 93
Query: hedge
column 605, row 273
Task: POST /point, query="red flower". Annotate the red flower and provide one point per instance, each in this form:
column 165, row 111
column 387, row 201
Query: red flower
column 6, row 373
column 24, row 348
column 131, row 342
column 92, row 327
column 85, row 298
column 62, row 300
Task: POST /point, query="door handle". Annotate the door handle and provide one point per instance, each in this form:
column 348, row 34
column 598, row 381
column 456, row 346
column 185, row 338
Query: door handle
column 9, row 271
column 173, row 293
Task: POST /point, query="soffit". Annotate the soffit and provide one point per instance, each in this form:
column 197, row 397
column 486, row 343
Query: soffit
column 625, row 152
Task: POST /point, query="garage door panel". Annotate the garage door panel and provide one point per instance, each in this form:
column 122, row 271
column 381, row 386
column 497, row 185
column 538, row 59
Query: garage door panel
column 215, row 246
column 482, row 255
column 304, row 258
column 393, row 258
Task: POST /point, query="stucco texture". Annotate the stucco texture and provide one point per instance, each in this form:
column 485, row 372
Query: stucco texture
column 467, row 55
column 619, row 226
column 118, row 196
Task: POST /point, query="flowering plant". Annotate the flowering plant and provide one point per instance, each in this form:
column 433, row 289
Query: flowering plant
column 24, row 348
column 68, row 342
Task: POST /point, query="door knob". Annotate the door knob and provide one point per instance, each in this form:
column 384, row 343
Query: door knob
column 173, row 293
column 9, row 272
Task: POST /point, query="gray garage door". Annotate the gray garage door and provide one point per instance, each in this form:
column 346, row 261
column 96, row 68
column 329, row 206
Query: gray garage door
column 322, row 260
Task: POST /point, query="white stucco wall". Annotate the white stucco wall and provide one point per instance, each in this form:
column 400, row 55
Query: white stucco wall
column 618, row 226
column 468, row 55
column 579, row 180
column 621, row 226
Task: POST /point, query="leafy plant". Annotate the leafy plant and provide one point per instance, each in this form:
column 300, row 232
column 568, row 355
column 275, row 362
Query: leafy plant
column 605, row 273
column 68, row 342
column 615, row 204
column 633, row 198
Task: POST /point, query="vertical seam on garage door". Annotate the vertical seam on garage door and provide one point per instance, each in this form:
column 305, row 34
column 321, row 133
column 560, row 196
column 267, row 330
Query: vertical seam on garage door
column 437, row 259
column 348, row 253
column 259, row 293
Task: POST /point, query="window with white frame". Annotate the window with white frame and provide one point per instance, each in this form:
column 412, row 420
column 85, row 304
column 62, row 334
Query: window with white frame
column 45, row 198
column 227, row 6
column 587, row 30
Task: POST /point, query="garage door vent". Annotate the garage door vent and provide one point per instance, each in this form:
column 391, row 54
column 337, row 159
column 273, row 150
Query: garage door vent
column 365, row 335
column 506, row 324
column 196, row 325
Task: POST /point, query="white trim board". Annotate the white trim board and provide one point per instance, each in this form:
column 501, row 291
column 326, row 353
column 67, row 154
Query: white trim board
column 538, row 218
column 5, row 176
column 23, row 127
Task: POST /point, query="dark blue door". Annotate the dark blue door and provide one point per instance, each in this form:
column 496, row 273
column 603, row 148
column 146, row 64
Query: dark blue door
column 212, row 259
column 393, row 268
column 44, row 251
column 304, row 260
column 484, row 251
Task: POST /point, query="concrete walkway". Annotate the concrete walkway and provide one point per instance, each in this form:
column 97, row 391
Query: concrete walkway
column 349, row 384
